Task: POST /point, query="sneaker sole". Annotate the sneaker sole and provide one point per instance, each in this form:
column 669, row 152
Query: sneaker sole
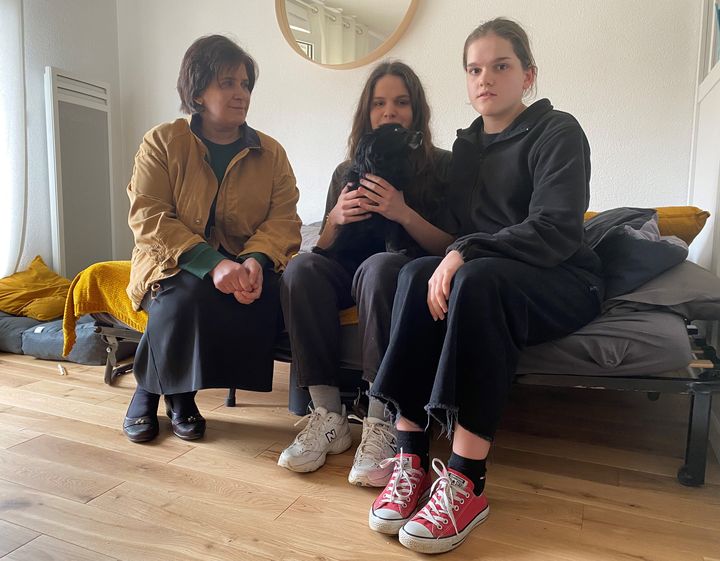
column 364, row 481
column 393, row 527
column 441, row 545
column 342, row 445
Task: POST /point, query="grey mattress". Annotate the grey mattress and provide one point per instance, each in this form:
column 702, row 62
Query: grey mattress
column 632, row 343
column 640, row 333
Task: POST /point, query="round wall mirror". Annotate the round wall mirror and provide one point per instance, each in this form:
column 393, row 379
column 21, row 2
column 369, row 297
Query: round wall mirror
column 343, row 33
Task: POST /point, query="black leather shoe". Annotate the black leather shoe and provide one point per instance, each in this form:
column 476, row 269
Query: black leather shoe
column 141, row 429
column 189, row 427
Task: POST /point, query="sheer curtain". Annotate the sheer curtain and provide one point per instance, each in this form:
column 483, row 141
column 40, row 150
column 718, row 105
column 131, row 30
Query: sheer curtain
column 13, row 182
column 332, row 38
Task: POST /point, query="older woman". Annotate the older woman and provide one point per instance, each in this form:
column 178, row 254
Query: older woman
column 213, row 213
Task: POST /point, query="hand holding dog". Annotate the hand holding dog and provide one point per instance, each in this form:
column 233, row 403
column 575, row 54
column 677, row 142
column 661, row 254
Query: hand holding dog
column 348, row 208
column 381, row 197
column 439, row 284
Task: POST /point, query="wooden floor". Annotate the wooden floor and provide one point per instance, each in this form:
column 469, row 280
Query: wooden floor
column 575, row 475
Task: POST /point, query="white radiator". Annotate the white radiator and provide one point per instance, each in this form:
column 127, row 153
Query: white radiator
column 80, row 171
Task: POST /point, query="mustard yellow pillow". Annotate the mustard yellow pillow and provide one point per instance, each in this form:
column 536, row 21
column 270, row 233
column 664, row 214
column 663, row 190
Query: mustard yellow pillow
column 37, row 292
column 685, row 222
column 349, row 316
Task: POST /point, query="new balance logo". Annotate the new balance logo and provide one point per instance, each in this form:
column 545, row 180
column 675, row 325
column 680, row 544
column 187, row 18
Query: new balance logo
column 330, row 435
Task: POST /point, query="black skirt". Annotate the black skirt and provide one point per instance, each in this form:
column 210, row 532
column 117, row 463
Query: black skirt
column 197, row 337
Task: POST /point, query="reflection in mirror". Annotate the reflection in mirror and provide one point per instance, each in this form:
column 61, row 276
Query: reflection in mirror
column 341, row 32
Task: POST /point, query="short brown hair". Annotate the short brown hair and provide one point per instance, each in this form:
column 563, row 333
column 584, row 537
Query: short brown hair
column 204, row 61
column 418, row 102
column 513, row 32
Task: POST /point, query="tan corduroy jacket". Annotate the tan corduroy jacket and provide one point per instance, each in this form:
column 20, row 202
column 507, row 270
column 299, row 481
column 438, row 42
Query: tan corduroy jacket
column 173, row 187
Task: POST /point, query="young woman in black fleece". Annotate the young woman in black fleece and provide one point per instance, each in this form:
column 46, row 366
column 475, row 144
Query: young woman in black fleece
column 518, row 274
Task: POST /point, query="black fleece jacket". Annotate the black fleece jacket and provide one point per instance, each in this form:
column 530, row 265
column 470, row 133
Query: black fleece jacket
column 523, row 195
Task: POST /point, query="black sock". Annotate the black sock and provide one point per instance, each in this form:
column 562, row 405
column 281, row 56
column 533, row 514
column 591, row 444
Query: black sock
column 474, row 470
column 183, row 404
column 143, row 404
column 415, row 442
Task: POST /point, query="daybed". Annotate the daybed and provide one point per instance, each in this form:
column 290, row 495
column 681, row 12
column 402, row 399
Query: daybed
column 639, row 343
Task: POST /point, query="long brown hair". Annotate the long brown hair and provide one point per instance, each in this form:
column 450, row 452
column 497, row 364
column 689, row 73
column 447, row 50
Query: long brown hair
column 513, row 32
column 423, row 158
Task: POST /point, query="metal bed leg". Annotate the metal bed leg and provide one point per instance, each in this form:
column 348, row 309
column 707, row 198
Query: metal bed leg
column 692, row 473
column 111, row 362
column 230, row 399
column 108, row 370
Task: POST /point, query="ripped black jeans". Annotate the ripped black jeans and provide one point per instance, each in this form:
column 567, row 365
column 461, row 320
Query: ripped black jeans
column 461, row 369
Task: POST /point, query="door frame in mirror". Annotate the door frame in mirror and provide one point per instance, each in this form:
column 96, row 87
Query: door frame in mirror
column 389, row 43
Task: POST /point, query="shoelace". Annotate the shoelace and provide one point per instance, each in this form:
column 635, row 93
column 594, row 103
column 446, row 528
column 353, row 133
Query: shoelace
column 402, row 483
column 441, row 507
column 379, row 437
column 313, row 427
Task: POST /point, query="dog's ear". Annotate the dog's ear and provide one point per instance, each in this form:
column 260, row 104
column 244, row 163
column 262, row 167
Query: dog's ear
column 368, row 161
column 415, row 140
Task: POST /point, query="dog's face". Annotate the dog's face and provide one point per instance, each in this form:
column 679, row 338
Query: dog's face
column 385, row 151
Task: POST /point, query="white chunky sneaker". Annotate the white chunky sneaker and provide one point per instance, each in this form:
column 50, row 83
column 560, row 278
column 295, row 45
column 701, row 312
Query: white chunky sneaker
column 379, row 442
column 325, row 433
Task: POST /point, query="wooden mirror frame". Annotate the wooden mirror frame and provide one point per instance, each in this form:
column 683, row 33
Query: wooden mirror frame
column 389, row 43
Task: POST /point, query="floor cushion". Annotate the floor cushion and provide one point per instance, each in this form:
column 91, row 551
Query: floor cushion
column 11, row 330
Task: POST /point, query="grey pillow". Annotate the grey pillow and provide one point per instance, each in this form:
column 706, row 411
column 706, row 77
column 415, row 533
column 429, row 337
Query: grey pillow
column 11, row 330
column 630, row 247
column 46, row 341
column 686, row 289
column 310, row 234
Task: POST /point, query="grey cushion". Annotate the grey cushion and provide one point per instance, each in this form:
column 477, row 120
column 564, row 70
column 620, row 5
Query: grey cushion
column 11, row 330
column 46, row 341
column 686, row 289
column 629, row 244
column 630, row 344
column 310, row 234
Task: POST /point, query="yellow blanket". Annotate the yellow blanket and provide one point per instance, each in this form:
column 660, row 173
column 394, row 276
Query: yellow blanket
column 100, row 288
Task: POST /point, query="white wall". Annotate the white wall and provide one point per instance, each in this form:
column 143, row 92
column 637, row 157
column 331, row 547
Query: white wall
column 80, row 37
column 706, row 172
column 625, row 69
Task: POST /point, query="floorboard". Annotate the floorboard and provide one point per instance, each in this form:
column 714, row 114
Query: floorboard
column 574, row 475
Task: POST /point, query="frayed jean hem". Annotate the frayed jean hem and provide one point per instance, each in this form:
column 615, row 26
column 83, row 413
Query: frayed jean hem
column 447, row 417
column 393, row 408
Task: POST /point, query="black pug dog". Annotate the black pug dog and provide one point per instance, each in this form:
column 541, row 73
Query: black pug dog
column 384, row 152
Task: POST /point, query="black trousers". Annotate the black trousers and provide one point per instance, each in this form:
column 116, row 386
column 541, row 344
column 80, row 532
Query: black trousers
column 314, row 289
column 197, row 337
column 461, row 369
